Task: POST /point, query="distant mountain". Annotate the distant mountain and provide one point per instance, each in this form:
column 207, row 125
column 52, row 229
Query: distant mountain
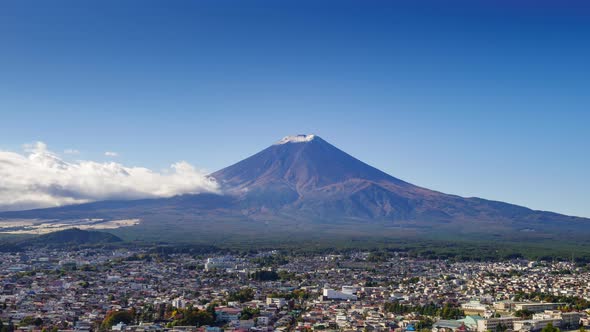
column 74, row 236
column 304, row 186
column 304, row 176
column 296, row 169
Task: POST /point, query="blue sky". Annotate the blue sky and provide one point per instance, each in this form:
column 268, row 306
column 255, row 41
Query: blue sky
column 476, row 98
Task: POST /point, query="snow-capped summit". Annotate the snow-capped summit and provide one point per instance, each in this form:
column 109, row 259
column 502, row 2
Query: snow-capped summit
column 315, row 190
column 296, row 139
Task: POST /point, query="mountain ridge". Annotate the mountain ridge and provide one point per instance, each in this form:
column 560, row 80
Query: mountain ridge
column 304, row 172
column 303, row 183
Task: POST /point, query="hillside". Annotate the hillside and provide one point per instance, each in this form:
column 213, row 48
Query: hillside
column 302, row 187
column 74, row 236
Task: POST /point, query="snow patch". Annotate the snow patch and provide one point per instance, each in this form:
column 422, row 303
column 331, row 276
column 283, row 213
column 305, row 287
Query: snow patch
column 295, row 139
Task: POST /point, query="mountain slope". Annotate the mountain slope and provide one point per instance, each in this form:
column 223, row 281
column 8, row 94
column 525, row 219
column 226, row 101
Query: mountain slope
column 302, row 164
column 74, row 236
column 305, row 177
column 304, row 185
column 297, row 168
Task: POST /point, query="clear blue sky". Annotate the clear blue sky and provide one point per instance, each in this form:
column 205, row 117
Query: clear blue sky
column 476, row 98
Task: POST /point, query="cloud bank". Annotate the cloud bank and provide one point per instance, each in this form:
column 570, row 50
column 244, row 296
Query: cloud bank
column 40, row 178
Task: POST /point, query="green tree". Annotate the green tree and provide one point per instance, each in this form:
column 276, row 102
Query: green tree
column 193, row 317
column 211, row 309
column 265, row 275
column 525, row 314
column 38, row 321
column 243, row 295
column 116, row 317
column 249, row 313
column 26, row 321
column 550, row 328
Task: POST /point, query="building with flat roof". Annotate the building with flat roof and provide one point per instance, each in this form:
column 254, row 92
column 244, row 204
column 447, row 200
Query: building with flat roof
column 535, row 324
column 491, row 324
column 536, row 306
column 330, row 294
column 474, row 308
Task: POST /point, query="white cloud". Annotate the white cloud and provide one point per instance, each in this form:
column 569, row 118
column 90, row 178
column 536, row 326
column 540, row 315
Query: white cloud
column 71, row 151
column 40, row 178
column 111, row 154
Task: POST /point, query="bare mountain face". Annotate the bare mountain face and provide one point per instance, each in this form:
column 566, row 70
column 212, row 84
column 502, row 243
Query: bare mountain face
column 305, row 176
column 301, row 168
column 302, row 182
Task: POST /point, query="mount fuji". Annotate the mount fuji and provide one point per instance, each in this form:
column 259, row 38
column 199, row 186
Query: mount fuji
column 304, row 186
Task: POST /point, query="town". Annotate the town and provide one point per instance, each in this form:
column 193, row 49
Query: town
column 100, row 289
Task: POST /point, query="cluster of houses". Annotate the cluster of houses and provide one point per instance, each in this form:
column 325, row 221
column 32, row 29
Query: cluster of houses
column 74, row 291
column 499, row 317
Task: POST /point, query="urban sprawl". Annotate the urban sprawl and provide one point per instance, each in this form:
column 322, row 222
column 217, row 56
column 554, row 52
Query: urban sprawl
column 139, row 290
